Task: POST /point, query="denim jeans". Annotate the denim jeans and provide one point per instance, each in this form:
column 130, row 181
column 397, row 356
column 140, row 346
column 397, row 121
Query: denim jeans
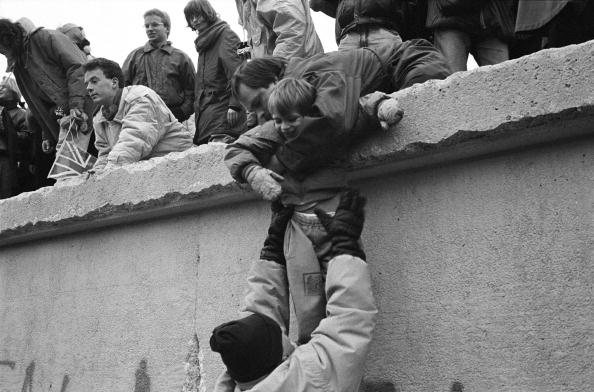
column 369, row 37
column 456, row 45
column 306, row 247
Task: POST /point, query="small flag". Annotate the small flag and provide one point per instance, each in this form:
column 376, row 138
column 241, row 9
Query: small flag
column 71, row 161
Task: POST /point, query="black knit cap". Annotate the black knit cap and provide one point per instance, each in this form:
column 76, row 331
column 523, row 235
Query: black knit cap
column 250, row 347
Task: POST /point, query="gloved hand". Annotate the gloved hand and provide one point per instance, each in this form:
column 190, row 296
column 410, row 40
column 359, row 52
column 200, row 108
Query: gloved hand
column 273, row 244
column 179, row 114
column 265, row 182
column 345, row 227
column 389, row 113
column 78, row 120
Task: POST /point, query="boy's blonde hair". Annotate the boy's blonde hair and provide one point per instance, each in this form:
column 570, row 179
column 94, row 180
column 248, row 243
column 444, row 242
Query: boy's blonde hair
column 292, row 95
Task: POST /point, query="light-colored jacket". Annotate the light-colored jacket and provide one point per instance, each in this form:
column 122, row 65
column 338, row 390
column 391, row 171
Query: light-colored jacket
column 279, row 28
column 333, row 360
column 142, row 128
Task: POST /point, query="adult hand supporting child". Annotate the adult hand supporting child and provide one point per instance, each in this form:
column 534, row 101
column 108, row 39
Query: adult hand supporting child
column 265, row 182
column 345, row 227
column 273, row 244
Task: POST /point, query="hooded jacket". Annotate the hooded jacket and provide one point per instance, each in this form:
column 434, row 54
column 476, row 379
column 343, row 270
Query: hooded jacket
column 143, row 128
column 50, row 76
column 279, row 28
column 334, row 358
column 217, row 61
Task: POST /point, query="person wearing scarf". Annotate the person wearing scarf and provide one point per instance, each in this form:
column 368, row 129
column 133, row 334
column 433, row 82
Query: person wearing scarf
column 219, row 116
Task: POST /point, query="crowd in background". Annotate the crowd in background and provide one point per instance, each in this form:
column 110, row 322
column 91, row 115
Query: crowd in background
column 50, row 101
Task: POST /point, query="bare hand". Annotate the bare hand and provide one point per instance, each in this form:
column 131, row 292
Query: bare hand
column 47, row 146
column 232, row 117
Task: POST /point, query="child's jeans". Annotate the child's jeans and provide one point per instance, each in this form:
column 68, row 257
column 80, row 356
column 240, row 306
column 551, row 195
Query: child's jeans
column 307, row 251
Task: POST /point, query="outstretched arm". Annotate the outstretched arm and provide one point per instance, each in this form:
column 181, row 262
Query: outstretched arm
column 335, row 356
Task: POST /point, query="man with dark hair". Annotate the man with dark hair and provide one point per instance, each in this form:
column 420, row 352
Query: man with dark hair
column 47, row 68
column 133, row 122
column 165, row 69
column 259, row 356
column 341, row 79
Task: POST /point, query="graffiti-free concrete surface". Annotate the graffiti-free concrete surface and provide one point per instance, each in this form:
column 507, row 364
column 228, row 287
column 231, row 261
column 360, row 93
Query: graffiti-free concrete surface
column 479, row 234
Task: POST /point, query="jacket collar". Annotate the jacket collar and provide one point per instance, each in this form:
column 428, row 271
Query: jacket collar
column 165, row 46
column 113, row 112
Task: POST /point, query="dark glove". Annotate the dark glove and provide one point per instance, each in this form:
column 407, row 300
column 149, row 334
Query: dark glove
column 345, row 227
column 179, row 114
column 273, row 244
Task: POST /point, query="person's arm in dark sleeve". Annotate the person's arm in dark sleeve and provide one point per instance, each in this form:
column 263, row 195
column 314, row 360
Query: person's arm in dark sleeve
column 187, row 75
column 63, row 51
column 129, row 69
column 230, row 61
column 254, row 147
column 326, row 6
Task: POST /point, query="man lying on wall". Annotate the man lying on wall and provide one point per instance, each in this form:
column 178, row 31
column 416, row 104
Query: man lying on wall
column 132, row 123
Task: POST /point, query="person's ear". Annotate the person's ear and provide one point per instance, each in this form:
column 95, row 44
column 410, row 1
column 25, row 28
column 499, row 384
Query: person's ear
column 115, row 82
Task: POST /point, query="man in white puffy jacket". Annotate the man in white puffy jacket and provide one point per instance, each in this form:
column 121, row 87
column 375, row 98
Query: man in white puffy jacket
column 132, row 123
column 255, row 350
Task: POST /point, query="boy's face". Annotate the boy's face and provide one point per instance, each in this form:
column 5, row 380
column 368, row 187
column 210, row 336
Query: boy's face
column 287, row 124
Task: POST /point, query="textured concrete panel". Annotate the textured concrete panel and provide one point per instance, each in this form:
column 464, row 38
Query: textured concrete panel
column 483, row 273
column 516, row 103
column 479, row 233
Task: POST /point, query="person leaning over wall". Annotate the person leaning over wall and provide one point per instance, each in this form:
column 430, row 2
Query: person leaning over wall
column 165, row 69
column 259, row 356
column 480, row 27
column 340, row 79
column 305, row 166
column 132, row 123
column 219, row 115
column 48, row 69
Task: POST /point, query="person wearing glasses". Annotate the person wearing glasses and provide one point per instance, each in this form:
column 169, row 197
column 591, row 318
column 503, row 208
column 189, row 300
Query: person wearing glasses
column 219, row 115
column 165, row 69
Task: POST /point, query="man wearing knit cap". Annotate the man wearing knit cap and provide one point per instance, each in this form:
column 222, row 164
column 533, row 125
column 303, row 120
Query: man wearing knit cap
column 257, row 353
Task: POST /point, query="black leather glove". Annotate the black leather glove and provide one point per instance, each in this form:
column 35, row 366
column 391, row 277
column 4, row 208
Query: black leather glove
column 273, row 244
column 345, row 227
column 179, row 113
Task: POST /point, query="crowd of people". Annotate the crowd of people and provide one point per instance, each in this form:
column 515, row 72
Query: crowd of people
column 403, row 35
column 288, row 114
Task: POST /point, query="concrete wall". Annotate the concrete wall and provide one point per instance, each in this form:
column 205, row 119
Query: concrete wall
column 479, row 233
